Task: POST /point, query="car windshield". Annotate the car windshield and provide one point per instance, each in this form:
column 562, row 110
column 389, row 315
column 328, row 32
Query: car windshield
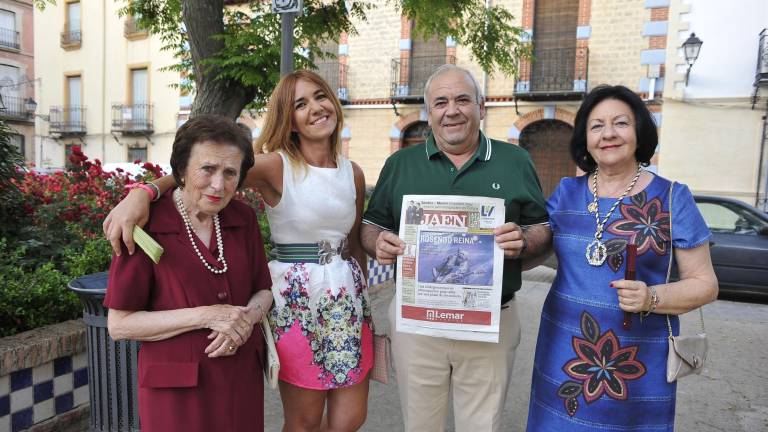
column 725, row 217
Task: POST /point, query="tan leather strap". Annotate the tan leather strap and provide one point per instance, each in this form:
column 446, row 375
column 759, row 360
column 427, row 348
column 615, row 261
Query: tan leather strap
column 671, row 258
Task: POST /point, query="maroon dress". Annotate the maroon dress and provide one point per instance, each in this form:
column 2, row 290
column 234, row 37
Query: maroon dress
column 180, row 388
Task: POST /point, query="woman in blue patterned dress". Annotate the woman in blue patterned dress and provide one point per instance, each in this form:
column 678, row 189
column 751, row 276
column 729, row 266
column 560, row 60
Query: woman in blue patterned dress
column 590, row 373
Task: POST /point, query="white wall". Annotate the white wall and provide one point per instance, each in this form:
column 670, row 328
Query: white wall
column 729, row 29
column 103, row 61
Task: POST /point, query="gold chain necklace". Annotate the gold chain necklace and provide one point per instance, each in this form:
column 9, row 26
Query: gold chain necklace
column 596, row 250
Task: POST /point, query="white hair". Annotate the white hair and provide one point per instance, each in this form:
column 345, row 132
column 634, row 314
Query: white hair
column 448, row 68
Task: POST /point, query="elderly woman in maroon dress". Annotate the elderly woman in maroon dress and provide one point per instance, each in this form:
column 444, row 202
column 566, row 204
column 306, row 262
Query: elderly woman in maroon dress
column 194, row 311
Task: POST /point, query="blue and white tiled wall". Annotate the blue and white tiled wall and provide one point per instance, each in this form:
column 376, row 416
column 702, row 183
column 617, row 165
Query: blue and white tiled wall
column 378, row 273
column 32, row 395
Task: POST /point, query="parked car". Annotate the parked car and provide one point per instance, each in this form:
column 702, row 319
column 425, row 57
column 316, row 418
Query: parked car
column 739, row 243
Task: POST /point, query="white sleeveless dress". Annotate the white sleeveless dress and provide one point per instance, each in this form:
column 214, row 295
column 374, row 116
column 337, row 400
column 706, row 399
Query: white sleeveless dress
column 321, row 318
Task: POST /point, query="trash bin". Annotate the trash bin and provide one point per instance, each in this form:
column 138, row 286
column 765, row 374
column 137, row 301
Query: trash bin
column 112, row 366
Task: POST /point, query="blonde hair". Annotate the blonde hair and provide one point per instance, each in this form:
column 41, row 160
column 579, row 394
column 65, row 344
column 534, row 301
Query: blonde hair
column 277, row 134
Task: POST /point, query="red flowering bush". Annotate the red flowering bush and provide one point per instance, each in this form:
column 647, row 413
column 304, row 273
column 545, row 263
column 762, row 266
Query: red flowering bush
column 55, row 236
column 65, row 209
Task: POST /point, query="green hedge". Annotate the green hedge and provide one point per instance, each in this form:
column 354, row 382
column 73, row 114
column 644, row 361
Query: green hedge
column 37, row 296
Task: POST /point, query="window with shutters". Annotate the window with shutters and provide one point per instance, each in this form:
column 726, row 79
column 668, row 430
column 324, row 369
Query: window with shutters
column 137, row 153
column 332, row 70
column 558, row 70
column 9, row 37
column 71, row 37
column 410, row 74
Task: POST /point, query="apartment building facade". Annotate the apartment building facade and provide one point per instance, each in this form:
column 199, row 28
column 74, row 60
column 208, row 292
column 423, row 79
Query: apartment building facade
column 100, row 86
column 577, row 44
column 17, row 73
column 715, row 132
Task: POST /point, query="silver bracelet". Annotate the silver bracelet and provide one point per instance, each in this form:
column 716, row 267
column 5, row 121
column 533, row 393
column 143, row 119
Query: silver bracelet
column 654, row 300
column 154, row 188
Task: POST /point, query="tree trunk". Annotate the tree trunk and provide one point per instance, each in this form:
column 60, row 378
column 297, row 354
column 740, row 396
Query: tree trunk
column 204, row 18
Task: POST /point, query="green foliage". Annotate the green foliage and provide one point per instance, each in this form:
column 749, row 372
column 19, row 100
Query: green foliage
column 250, row 57
column 93, row 257
column 11, row 170
column 56, row 238
column 488, row 31
column 34, row 297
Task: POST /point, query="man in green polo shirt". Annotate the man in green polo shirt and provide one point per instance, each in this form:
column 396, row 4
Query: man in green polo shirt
column 458, row 159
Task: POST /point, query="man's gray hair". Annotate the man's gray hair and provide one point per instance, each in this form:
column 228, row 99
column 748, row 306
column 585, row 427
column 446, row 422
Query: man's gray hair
column 447, row 68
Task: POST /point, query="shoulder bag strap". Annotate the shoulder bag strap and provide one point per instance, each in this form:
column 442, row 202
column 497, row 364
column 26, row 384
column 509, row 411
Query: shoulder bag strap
column 671, row 258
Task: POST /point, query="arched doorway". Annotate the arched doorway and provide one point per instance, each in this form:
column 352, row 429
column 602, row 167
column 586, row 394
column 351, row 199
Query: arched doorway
column 547, row 141
column 416, row 133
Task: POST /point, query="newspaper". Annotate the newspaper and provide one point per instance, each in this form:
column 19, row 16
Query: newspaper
column 449, row 278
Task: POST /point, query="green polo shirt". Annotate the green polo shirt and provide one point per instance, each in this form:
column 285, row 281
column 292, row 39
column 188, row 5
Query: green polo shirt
column 497, row 170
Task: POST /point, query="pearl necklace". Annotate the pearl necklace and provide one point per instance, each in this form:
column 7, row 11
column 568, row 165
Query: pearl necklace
column 217, row 227
column 596, row 250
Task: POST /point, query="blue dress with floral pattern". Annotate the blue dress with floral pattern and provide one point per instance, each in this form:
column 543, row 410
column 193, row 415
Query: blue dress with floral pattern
column 589, row 373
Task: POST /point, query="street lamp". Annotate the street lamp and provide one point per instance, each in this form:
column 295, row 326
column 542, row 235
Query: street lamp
column 31, row 106
column 691, row 48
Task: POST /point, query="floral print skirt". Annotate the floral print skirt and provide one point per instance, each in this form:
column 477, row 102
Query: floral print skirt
column 321, row 323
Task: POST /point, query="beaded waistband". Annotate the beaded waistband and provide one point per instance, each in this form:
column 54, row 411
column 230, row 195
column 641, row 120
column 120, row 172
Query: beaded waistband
column 317, row 253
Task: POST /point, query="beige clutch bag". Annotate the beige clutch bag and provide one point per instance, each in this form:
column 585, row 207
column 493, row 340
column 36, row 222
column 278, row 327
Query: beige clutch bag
column 272, row 363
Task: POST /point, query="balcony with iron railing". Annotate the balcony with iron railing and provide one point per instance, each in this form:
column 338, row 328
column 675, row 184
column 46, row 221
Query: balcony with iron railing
column 16, row 108
column 68, row 120
column 335, row 74
column 71, row 38
column 556, row 74
column 409, row 76
column 9, row 39
column 134, row 119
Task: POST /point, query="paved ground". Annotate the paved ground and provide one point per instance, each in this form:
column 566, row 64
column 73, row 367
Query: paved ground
column 731, row 394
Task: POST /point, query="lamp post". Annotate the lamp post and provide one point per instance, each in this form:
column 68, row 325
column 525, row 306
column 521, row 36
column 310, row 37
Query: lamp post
column 288, row 10
column 30, row 106
column 691, row 48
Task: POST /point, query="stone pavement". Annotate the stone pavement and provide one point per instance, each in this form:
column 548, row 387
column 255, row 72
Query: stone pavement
column 731, row 394
column 383, row 402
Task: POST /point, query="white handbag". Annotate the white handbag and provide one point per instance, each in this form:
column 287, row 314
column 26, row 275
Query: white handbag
column 687, row 354
column 272, row 362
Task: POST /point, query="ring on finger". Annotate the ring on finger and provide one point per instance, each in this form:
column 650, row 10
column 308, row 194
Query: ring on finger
column 231, row 348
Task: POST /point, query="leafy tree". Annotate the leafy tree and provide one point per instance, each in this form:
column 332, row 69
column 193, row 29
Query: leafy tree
column 230, row 50
column 11, row 169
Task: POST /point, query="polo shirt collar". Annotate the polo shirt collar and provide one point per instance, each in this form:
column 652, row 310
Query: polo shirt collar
column 482, row 153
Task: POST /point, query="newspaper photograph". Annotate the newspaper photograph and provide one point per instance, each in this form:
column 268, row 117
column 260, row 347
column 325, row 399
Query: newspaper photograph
column 449, row 278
